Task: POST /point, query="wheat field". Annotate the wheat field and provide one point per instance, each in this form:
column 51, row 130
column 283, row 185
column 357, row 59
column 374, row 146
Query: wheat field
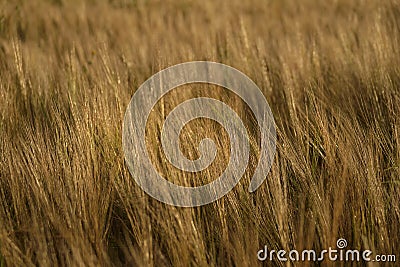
column 330, row 71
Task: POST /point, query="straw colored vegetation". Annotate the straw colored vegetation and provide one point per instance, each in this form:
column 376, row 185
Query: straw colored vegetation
column 330, row 71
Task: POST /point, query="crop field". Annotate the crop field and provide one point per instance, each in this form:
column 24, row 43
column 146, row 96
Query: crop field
column 330, row 71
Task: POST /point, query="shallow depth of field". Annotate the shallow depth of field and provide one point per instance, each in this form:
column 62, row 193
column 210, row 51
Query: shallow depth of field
column 330, row 71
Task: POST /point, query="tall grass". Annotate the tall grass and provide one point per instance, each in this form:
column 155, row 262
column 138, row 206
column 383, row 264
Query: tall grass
column 330, row 71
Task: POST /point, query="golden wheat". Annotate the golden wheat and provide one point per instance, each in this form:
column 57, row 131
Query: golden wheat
column 330, row 71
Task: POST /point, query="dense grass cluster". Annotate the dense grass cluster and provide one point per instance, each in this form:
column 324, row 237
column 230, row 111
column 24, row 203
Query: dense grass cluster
column 330, row 71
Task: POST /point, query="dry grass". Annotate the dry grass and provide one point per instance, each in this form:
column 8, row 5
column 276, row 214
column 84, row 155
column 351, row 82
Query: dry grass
column 329, row 69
